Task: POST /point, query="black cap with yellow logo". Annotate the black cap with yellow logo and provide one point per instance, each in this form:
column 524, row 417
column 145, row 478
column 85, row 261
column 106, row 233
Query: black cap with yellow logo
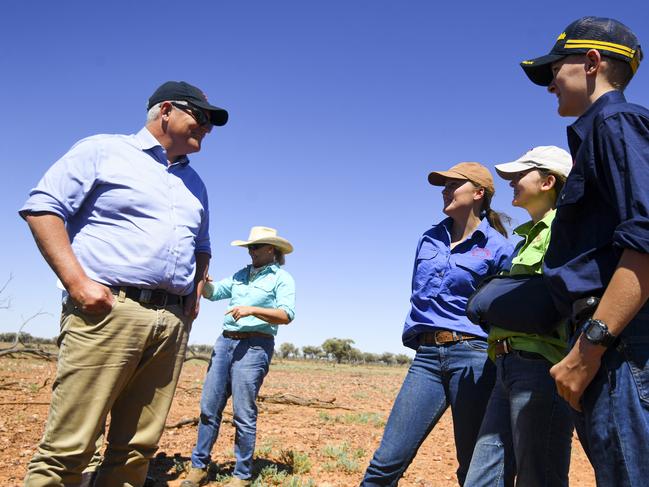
column 610, row 37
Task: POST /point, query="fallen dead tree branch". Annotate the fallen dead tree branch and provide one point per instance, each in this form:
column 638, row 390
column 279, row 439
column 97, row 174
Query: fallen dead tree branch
column 18, row 347
column 7, row 385
column 191, row 355
column 227, row 418
column 294, row 400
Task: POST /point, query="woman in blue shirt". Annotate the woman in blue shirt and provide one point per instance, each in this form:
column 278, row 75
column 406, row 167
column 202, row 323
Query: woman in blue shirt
column 262, row 296
column 451, row 365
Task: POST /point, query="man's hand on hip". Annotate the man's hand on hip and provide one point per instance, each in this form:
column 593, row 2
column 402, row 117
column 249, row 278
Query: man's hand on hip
column 91, row 297
column 192, row 305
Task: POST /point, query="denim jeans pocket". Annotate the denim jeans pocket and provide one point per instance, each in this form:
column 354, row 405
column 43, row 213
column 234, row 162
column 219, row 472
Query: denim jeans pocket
column 637, row 356
column 478, row 345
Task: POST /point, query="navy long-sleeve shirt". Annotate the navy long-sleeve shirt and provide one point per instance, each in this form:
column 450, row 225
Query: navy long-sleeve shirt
column 604, row 206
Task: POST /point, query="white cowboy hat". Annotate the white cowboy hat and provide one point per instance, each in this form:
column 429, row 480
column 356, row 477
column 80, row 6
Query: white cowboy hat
column 265, row 235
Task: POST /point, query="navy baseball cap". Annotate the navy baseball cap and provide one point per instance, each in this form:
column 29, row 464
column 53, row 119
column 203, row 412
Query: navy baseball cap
column 180, row 90
column 610, row 37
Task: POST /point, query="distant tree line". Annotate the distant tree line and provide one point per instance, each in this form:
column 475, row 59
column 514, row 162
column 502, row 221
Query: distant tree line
column 340, row 350
column 337, row 350
column 26, row 338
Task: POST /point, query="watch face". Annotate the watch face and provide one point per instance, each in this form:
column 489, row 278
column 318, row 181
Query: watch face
column 594, row 332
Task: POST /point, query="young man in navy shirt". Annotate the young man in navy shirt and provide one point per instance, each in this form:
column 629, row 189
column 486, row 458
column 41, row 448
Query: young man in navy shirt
column 600, row 243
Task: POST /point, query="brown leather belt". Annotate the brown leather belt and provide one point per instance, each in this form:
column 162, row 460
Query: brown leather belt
column 502, row 347
column 149, row 297
column 443, row 337
column 242, row 335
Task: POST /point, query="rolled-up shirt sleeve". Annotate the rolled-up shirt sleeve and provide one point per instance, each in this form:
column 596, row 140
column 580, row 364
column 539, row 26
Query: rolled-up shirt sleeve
column 285, row 294
column 203, row 237
column 624, row 151
column 66, row 184
column 222, row 289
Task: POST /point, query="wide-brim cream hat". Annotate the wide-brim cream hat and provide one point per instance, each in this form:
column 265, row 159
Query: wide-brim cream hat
column 265, row 235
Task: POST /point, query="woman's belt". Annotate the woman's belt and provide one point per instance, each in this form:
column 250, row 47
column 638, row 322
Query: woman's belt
column 443, row 337
column 242, row 335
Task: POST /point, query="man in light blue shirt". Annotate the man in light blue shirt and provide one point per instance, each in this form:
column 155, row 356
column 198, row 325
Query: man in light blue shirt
column 123, row 222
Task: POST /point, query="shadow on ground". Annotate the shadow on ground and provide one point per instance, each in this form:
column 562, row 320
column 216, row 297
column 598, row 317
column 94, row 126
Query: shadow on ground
column 164, row 469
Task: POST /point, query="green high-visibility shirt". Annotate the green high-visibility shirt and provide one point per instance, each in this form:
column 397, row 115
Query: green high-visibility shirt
column 529, row 260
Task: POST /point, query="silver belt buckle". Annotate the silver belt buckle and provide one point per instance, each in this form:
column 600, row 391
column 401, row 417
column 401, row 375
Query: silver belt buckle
column 145, row 296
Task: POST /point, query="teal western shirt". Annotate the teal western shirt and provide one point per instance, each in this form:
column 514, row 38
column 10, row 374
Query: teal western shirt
column 272, row 287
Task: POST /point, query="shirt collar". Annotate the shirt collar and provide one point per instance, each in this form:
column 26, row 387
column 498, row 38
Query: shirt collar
column 483, row 228
column 268, row 267
column 150, row 144
column 526, row 228
column 583, row 124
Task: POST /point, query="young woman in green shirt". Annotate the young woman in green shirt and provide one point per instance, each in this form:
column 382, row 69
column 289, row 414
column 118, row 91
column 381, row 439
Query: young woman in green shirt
column 526, row 432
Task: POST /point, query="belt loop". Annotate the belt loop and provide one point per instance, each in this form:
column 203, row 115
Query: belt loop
column 121, row 296
column 145, row 296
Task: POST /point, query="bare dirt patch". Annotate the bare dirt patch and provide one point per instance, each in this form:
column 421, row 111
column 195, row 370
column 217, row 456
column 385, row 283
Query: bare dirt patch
column 296, row 445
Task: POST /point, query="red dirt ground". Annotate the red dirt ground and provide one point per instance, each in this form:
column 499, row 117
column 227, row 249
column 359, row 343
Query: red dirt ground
column 338, row 442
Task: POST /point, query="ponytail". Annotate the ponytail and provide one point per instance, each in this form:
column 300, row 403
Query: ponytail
column 494, row 218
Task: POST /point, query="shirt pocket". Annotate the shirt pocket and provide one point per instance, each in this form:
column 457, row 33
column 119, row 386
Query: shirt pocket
column 473, row 268
column 466, row 275
column 572, row 194
column 529, row 261
column 428, row 271
column 262, row 292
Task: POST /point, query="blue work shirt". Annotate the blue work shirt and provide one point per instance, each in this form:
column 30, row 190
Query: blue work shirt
column 271, row 287
column 604, row 206
column 132, row 219
column 443, row 279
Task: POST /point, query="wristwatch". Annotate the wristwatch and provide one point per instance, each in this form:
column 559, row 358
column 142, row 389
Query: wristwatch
column 596, row 332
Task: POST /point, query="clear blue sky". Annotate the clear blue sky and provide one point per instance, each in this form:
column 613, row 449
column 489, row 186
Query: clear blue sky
column 338, row 111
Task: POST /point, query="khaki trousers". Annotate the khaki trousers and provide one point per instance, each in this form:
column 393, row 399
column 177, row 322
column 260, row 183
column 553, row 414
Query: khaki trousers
column 127, row 364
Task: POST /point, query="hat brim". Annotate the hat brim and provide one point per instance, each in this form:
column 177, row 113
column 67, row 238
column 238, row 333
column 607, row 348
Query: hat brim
column 508, row 170
column 218, row 116
column 278, row 242
column 539, row 70
column 438, row 178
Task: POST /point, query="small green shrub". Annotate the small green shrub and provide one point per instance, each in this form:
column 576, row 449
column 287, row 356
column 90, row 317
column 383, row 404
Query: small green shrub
column 299, row 462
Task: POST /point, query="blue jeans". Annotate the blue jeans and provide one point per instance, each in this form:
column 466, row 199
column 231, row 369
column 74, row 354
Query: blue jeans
column 237, row 368
column 459, row 374
column 614, row 425
column 526, row 430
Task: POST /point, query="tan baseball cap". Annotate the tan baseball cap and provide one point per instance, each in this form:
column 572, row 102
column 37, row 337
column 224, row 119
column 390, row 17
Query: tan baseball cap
column 549, row 157
column 473, row 171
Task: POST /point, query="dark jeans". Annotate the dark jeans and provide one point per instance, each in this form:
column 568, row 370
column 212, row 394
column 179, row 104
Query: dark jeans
column 527, row 429
column 460, row 375
column 614, row 425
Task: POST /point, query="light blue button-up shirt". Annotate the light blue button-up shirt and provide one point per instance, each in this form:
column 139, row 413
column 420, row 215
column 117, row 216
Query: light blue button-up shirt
column 272, row 287
column 132, row 219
